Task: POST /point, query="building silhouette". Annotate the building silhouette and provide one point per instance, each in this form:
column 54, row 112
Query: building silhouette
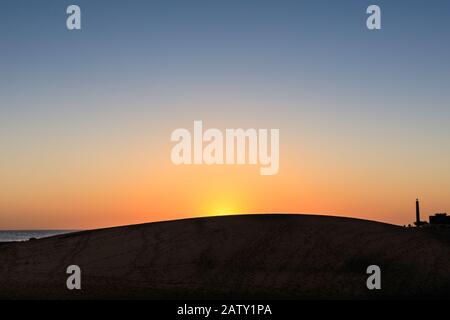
column 440, row 218
column 436, row 219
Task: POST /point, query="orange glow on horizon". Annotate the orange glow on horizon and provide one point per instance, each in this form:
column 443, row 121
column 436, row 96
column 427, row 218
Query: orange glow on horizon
column 72, row 192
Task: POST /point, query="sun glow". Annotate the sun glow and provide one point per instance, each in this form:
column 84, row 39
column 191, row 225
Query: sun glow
column 222, row 206
column 223, row 211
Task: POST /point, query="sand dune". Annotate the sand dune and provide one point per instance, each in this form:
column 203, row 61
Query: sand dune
column 248, row 256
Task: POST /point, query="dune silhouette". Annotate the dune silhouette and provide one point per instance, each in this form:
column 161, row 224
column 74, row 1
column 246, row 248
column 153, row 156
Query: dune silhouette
column 239, row 257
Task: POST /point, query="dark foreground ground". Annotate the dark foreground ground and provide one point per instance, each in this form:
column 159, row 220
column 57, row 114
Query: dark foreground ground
column 234, row 257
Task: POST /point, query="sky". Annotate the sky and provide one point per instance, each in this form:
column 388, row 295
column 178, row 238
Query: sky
column 86, row 115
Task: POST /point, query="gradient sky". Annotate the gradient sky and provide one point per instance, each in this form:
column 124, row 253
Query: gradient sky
column 86, row 116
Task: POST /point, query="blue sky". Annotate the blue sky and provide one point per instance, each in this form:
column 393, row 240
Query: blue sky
column 139, row 69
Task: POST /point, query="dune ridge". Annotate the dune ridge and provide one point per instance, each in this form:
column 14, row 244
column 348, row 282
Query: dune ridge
column 271, row 256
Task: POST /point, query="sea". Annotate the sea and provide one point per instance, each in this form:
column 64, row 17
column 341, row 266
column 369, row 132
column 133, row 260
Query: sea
column 24, row 235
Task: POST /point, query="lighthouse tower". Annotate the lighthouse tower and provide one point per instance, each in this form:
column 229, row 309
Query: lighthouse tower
column 417, row 223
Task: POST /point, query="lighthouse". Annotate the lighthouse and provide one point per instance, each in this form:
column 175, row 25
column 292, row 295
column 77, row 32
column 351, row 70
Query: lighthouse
column 418, row 223
column 417, row 213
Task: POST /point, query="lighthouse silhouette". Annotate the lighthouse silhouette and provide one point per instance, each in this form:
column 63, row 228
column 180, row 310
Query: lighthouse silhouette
column 418, row 223
column 417, row 212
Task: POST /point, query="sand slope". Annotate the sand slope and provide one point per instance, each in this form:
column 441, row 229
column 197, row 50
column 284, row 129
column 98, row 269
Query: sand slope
column 249, row 256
